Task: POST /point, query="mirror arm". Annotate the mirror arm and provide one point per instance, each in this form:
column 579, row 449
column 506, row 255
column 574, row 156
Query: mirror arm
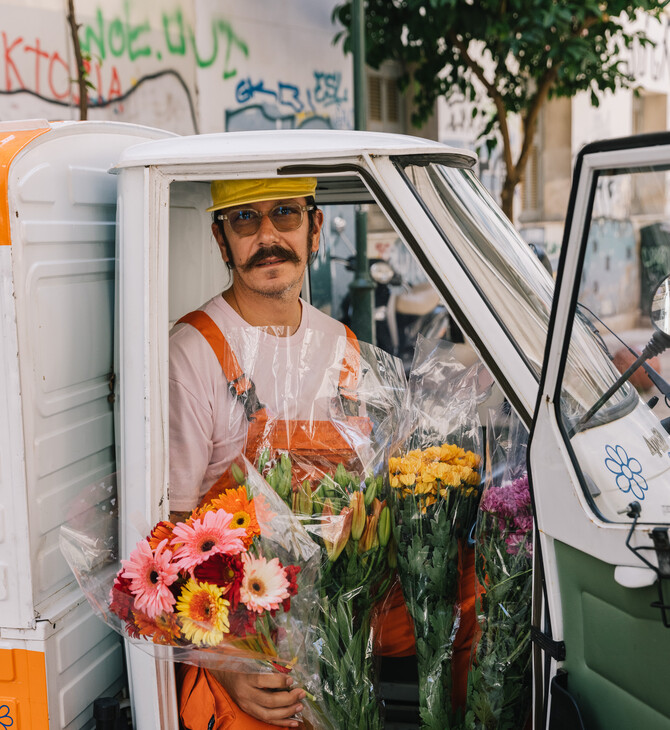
column 656, row 345
column 660, row 382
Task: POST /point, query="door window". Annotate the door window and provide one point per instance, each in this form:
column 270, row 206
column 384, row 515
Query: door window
column 618, row 441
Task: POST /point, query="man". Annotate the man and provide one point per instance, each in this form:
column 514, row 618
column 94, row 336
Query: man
column 267, row 232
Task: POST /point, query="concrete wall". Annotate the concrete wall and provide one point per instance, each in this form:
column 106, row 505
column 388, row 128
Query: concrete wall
column 184, row 65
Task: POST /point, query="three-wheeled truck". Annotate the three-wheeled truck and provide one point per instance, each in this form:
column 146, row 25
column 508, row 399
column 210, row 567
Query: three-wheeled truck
column 96, row 267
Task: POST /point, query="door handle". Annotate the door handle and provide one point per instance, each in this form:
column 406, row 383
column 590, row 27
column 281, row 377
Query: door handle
column 629, row 576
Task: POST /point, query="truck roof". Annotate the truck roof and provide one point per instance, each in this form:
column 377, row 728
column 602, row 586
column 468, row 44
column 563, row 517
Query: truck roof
column 282, row 145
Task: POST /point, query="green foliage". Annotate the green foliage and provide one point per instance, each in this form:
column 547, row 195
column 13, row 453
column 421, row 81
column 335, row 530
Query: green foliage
column 516, row 45
column 428, row 565
column 516, row 53
column 350, row 585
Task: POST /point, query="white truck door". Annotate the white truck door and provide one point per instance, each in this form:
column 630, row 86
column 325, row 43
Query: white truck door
column 601, row 478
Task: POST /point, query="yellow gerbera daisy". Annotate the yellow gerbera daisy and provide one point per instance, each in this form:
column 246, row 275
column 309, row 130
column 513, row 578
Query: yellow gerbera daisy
column 203, row 613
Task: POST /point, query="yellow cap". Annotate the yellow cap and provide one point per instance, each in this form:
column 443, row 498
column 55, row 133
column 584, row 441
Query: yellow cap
column 226, row 193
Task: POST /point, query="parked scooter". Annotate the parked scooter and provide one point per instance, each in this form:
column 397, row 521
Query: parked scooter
column 401, row 311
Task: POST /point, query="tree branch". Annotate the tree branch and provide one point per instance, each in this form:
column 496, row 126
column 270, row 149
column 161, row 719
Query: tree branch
column 540, row 96
column 494, row 95
column 79, row 61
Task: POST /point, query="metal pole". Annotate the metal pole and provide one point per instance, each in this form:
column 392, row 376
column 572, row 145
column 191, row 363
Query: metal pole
column 362, row 286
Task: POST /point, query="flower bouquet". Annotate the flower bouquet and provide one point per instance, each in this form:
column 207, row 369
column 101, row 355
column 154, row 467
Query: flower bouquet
column 352, row 526
column 330, row 474
column 232, row 586
column 434, row 478
column 499, row 683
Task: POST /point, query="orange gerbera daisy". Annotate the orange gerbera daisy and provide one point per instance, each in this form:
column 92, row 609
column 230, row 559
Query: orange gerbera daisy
column 162, row 531
column 237, row 503
column 162, row 630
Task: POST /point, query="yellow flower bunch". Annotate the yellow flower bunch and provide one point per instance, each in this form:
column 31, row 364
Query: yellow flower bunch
column 432, row 472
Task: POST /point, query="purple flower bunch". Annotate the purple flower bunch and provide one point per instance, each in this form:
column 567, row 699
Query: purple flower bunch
column 510, row 503
column 499, row 681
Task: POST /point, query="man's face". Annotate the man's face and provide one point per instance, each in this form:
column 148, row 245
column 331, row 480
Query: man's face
column 269, row 262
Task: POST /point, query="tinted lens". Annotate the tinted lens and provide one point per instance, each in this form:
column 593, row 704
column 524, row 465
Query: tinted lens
column 247, row 221
column 244, row 221
column 286, row 217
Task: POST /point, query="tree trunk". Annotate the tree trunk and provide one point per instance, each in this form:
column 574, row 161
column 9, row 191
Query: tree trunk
column 507, row 196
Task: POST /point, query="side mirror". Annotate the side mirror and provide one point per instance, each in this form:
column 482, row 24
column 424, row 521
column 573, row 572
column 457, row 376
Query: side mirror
column 660, row 307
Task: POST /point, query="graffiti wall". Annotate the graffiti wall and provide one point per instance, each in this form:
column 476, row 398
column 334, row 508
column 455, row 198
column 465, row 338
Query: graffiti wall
column 191, row 66
column 283, row 70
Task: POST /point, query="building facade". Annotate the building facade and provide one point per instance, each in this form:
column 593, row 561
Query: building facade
column 189, row 66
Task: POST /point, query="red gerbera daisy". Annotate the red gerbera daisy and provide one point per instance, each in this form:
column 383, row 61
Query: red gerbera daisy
column 225, row 571
column 121, row 598
column 292, row 575
column 242, row 622
column 162, row 531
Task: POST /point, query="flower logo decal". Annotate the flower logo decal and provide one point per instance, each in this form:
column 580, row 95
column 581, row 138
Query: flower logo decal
column 6, row 720
column 628, row 471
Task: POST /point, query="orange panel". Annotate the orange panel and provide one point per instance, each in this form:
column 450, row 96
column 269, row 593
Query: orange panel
column 23, row 690
column 11, row 143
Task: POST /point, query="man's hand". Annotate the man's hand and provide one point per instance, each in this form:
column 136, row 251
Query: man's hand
column 266, row 697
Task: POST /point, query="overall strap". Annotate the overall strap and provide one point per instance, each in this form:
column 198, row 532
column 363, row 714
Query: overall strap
column 241, row 387
column 350, row 373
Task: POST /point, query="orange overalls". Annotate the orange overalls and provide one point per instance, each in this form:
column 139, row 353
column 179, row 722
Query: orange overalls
column 203, row 703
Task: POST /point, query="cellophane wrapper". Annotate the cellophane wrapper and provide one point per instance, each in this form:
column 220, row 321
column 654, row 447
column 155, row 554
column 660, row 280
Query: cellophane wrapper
column 435, row 475
column 200, row 614
column 328, row 465
column 499, row 681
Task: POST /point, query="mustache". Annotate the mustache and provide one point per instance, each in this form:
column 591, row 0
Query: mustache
column 270, row 252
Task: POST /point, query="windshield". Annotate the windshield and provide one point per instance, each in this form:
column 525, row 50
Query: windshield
column 511, row 278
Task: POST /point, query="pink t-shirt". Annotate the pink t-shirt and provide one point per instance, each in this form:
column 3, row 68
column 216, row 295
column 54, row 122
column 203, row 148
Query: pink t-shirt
column 296, row 377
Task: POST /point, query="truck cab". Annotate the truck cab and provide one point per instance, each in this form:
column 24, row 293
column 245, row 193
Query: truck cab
column 599, row 562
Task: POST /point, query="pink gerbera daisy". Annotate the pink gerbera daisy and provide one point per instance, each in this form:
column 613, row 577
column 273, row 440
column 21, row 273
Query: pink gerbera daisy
column 264, row 585
column 198, row 541
column 151, row 572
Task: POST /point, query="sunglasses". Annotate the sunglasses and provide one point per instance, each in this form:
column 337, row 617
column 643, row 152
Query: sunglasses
column 246, row 221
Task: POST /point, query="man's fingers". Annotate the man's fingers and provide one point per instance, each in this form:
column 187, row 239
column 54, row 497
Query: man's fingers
column 280, row 700
column 271, row 681
column 267, row 697
column 277, row 708
column 283, row 716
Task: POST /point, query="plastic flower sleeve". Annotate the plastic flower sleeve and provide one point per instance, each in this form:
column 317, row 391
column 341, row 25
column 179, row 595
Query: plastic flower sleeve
column 309, row 393
column 340, row 496
column 434, row 476
column 233, row 587
column 499, row 682
column 314, row 413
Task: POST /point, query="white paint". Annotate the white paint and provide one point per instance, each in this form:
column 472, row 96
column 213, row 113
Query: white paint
column 186, row 65
column 56, row 430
